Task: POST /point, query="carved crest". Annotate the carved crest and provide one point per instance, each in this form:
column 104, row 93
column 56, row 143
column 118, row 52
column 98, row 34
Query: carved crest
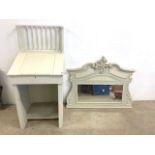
column 101, row 65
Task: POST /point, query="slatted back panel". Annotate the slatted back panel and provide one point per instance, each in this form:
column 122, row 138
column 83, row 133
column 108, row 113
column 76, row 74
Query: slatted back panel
column 32, row 37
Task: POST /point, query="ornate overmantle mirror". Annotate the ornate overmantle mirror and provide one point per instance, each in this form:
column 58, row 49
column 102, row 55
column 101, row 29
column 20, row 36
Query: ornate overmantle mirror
column 99, row 85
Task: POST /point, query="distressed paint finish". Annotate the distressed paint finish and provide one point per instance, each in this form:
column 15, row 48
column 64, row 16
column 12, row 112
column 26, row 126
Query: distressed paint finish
column 100, row 72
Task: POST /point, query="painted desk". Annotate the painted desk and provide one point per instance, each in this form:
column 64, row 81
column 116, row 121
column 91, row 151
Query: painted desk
column 37, row 68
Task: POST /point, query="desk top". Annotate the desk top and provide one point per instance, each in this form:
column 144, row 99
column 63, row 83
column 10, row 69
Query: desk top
column 37, row 63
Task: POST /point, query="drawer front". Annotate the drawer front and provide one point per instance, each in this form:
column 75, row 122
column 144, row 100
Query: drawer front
column 19, row 80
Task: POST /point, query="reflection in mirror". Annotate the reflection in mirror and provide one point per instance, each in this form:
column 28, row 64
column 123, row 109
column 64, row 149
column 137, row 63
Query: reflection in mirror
column 100, row 93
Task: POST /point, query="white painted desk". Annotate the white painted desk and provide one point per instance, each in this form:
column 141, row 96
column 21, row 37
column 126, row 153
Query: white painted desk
column 37, row 68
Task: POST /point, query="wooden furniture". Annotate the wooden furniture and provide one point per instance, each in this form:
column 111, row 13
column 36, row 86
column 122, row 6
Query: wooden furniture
column 99, row 73
column 37, row 73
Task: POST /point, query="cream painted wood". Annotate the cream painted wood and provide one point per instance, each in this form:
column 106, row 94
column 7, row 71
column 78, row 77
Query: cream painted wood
column 43, row 110
column 21, row 110
column 40, row 61
column 39, row 79
column 40, row 37
column 102, row 73
column 60, row 106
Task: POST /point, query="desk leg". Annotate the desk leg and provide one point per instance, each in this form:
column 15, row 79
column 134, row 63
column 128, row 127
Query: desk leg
column 21, row 111
column 60, row 105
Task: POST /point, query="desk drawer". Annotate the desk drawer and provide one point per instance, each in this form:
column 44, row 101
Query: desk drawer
column 19, row 80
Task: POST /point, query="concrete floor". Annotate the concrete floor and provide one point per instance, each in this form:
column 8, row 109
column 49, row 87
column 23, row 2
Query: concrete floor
column 138, row 120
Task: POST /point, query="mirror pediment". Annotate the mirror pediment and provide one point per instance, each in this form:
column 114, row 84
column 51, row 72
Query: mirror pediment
column 101, row 67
